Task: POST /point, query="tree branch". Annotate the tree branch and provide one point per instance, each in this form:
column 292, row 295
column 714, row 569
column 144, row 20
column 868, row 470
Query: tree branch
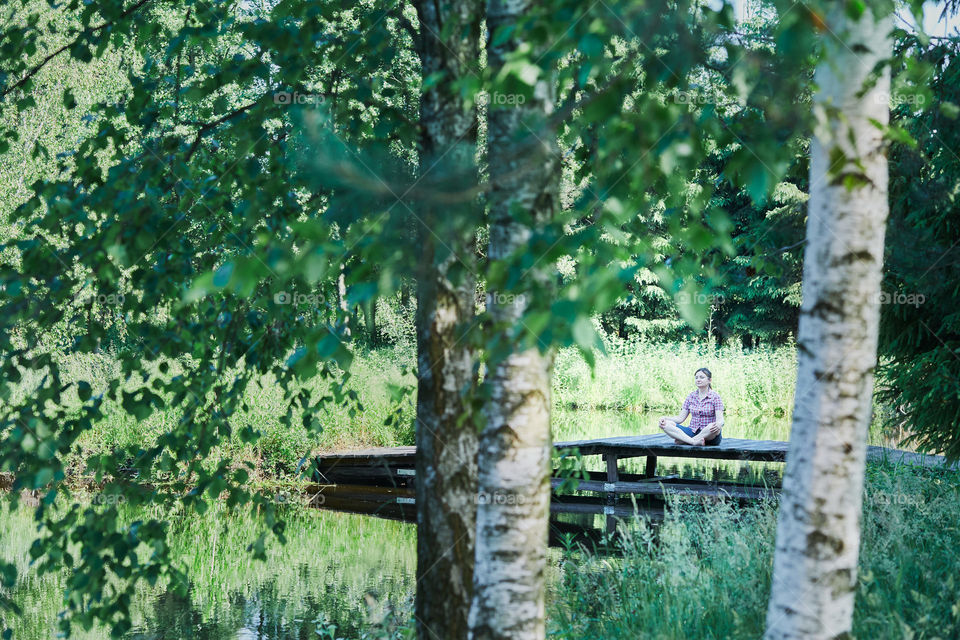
column 205, row 127
column 32, row 72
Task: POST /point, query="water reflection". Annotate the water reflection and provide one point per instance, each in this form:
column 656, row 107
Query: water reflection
column 263, row 614
column 354, row 572
column 351, row 571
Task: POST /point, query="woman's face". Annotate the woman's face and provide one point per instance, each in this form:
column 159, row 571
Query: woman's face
column 701, row 380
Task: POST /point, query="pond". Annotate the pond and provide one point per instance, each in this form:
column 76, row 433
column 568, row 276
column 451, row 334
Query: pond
column 352, row 571
column 336, row 568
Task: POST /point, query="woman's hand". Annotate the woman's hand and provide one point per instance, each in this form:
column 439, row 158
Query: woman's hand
column 710, row 431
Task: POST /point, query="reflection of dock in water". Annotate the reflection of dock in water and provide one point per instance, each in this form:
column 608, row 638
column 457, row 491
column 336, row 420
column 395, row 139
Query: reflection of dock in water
column 381, row 481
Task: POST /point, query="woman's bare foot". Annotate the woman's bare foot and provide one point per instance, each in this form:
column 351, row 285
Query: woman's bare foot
column 699, row 441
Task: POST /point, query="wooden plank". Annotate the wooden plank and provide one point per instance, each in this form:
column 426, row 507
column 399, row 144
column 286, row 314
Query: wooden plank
column 385, row 475
column 675, row 479
column 378, row 455
column 618, row 512
column 899, row 456
column 743, row 492
column 663, row 445
column 633, row 446
column 596, row 506
column 391, row 462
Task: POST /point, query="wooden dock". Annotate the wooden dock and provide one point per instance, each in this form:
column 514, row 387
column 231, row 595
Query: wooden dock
column 381, row 481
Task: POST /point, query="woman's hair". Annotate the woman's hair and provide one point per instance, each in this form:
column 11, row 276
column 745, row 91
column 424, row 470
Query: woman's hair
column 707, row 373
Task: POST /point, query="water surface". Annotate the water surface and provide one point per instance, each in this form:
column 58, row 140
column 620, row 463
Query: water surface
column 352, row 571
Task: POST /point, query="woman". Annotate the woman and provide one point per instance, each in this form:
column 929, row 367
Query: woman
column 705, row 407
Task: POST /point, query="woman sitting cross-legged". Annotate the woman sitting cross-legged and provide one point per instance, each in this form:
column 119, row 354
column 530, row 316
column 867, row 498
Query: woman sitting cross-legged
column 706, row 410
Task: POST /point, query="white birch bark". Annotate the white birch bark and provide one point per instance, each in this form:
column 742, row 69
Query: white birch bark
column 818, row 535
column 514, row 451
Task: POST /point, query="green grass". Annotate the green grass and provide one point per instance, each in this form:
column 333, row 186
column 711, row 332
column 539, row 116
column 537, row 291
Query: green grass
column 640, row 380
column 280, row 447
column 637, row 376
column 706, row 572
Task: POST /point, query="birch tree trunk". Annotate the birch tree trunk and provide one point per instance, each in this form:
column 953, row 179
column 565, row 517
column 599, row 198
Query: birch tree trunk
column 818, row 535
column 342, row 299
column 514, row 452
column 448, row 40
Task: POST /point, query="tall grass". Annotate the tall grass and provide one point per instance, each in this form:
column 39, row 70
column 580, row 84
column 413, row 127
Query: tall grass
column 645, row 376
column 280, row 447
column 706, row 572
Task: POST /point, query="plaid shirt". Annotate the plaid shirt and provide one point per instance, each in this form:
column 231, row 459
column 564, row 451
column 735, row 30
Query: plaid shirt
column 702, row 412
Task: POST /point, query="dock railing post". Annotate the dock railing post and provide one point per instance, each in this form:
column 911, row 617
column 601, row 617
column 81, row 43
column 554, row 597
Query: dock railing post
column 612, row 477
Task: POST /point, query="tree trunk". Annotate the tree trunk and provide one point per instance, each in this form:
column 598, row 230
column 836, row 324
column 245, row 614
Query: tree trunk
column 818, row 535
column 514, row 452
column 369, row 311
column 446, row 286
column 342, row 299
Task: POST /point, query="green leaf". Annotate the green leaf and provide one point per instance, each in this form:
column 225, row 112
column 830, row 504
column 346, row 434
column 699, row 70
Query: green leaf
column 950, row 110
column 221, row 278
column 590, row 45
column 42, row 477
column 433, row 80
column 758, row 182
column 855, row 8
column 584, row 332
column 502, row 34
